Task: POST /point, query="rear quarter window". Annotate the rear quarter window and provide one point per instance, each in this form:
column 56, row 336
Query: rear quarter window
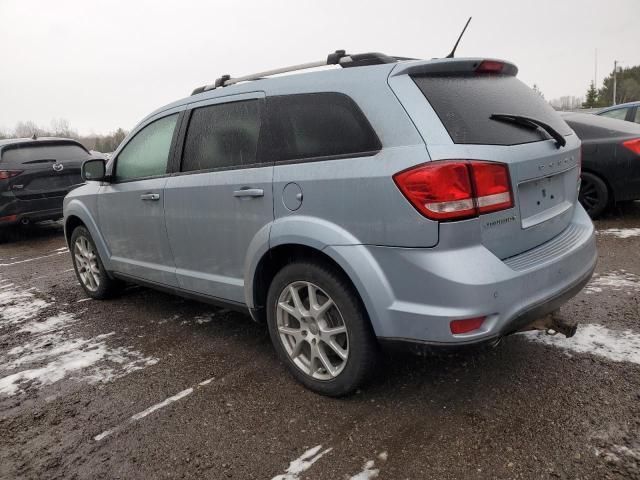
column 318, row 126
column 29, row 153
column 465, row 103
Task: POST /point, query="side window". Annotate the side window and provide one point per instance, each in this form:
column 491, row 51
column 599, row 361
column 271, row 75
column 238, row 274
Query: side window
column 637, row 117
column 222, row 136
column 318, row 125
column 147, row 153
column 619, row 113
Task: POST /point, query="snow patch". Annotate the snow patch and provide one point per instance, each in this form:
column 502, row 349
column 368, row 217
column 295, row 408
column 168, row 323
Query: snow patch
column 620, row 232
column 618, row 346
column 49, row 353
column 50, row 324
column 17, row 306
column 367, row 473
column 616, row 280
column 302, row 463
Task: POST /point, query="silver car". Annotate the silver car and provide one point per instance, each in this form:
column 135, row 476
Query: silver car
column 376, row 200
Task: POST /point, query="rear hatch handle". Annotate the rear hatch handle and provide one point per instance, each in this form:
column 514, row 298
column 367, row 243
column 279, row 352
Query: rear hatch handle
column 531, row 123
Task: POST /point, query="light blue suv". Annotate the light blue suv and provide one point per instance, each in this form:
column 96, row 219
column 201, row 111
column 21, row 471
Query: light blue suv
column 376, row 199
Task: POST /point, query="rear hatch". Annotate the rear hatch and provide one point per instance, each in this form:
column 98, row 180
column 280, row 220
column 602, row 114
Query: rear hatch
column 47, row 169
column 453, row 112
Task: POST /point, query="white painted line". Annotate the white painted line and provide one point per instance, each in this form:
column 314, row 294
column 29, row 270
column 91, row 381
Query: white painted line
column 32, row 259
column 151, row 409
column 51, row 274
column 162, row 404
column 84, row 299
column 104, row 434
column 617, row 346
column 302, row 463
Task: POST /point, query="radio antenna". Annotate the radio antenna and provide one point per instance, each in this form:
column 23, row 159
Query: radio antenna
column 461, row 34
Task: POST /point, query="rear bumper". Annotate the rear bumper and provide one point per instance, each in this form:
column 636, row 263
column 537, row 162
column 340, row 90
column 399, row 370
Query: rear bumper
column 14, row 211
column 423, row 290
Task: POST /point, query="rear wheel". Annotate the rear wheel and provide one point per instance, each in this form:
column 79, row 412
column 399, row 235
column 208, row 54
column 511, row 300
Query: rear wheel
column 594, row 194
column 319, row 329
column 89, row 268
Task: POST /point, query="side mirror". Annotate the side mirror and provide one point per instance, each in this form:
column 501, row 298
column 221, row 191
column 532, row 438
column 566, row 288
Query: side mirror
column 94, row 170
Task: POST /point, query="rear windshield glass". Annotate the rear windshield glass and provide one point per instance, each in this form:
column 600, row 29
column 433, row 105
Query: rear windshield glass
column 30, row 153
column 465, row 103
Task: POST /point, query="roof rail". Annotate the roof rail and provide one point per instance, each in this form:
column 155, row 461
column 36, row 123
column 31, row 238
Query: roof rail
column 339, row 57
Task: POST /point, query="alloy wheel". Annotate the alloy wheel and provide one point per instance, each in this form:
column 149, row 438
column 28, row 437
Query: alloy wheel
column 589, row 195
column 87, row 265
column 312, row 330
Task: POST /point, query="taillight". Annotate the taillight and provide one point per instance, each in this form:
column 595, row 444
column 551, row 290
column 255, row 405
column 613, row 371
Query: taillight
column 633, row 145
column 456, row 189
column 9, row 218
column 4, row 174
column 580, row 162
column 465, row 326
column 490, row 66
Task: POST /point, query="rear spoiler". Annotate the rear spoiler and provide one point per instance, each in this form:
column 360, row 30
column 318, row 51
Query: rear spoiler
column 455, row 66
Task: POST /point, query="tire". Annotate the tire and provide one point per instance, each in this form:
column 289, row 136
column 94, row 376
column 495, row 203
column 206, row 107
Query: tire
column 306, row 346
column 594, row 194
column 88, row 266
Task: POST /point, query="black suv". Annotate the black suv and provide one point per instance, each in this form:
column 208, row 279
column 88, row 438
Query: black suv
column 35, row 175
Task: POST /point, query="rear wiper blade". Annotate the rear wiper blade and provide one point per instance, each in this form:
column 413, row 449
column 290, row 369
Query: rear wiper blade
column 531, row 123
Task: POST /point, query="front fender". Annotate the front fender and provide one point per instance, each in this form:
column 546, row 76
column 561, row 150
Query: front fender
column 76, row 208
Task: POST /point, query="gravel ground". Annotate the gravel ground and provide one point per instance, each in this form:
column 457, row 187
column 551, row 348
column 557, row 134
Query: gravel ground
column 153, row 386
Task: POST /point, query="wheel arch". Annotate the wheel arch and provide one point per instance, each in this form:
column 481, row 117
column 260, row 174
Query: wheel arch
column 77, row 214
column 605, row 179
column 354, row 262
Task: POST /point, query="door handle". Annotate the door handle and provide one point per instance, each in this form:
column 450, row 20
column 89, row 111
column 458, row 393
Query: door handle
column 249, row 192
column 150, row 196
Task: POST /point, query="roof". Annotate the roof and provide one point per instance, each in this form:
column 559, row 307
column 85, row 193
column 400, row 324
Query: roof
column 620, row 105
column 49, row 140
column 329, row 78
column 605, row 123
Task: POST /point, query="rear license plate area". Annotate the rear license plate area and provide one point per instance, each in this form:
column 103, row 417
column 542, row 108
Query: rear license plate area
column 544, row 198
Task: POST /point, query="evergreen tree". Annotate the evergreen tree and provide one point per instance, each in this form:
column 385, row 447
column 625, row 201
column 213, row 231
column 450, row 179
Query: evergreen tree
column 592, row 97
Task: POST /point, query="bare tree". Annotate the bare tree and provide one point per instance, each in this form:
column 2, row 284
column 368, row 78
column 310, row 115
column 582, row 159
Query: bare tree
column 27, row 129
column 60, row 127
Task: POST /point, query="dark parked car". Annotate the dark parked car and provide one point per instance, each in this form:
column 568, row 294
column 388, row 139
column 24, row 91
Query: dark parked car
column 625, row 111
column 610, row 160
column 35, row 175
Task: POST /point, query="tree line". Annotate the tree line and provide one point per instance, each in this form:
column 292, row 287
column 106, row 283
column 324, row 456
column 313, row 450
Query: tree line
column 62, row 128
column 627, row 89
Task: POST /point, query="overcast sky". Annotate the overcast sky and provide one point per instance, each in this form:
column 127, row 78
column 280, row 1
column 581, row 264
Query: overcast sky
column 106, row 64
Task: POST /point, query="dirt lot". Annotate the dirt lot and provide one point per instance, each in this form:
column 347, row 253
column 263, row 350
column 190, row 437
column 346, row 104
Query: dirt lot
column 153, row 386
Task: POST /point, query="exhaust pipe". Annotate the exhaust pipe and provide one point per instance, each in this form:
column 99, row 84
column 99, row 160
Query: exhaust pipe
column 553, row 324
column 25, row 221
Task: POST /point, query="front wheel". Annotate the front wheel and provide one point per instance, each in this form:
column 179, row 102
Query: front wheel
column 594, row 194
column 89, row 268
column 319, row 329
